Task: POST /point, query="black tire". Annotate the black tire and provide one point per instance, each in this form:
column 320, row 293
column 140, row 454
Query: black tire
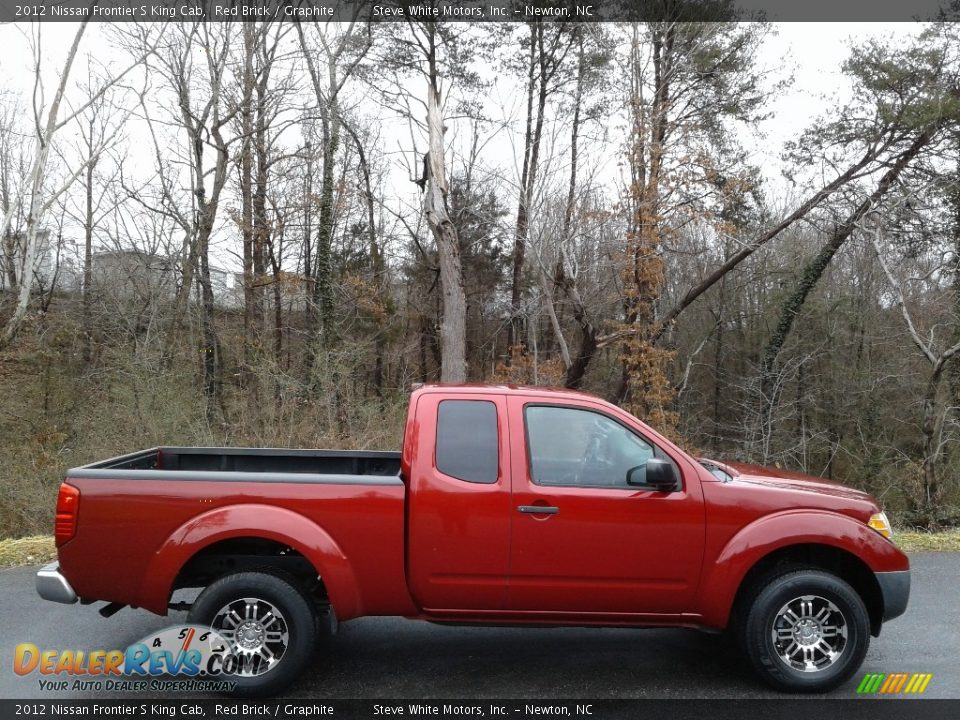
column 819, row 650
column 294, row 610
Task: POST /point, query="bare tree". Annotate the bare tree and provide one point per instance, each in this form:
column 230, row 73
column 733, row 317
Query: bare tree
column 453, row 325
column 343, row 49
column 11, row 167
column 40, row 199
column 97, row 135
column 931, row 85
column 547, row 48
column 194, row 65
column 934, row 411
column 437, row 54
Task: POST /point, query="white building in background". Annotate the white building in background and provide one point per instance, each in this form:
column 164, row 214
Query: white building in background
column 134, row 273
column 226, row 293
column 115, row 273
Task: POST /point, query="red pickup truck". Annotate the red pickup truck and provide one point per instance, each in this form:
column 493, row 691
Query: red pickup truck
column 507, row 505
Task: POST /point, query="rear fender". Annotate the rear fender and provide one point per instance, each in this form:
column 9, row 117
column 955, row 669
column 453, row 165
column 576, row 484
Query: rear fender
column 770, row 533
column 259, row 521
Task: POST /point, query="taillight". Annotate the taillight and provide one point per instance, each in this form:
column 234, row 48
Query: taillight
column 68, row 505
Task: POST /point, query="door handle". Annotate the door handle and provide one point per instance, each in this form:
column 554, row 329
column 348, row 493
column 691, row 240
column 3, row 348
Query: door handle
column 538, row 509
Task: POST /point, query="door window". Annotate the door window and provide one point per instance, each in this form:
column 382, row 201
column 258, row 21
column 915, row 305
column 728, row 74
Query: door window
column 569, row 446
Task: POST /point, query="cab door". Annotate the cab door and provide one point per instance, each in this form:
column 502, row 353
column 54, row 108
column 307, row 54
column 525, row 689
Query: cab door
column 583, row 540
column 458, row 503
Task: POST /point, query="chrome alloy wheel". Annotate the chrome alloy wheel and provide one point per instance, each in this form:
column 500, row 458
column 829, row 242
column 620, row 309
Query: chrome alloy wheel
column 809, row 633
column 257, row 632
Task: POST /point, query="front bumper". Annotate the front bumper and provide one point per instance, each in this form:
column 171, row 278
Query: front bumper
column 895, row 589
column 52, row 585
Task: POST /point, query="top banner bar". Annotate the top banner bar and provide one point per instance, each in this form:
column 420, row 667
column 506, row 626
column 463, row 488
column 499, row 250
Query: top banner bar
column 571, row 11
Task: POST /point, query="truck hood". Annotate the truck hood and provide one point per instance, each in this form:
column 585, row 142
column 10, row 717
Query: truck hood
column 787, row 480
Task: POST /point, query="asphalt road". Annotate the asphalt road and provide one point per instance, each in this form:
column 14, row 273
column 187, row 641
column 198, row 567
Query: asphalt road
column 396, row 658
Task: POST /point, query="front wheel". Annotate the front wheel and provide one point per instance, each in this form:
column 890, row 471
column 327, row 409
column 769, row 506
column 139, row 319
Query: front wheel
column 806, row 631
column 269, row 623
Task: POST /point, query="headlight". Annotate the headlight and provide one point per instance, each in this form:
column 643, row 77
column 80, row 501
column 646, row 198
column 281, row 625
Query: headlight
column 881, row 524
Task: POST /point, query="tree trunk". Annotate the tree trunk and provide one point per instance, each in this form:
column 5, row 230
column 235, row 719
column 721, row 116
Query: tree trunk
column 210, row 347
column 520, row 229
column 261, row 227
column 9, row 254
column 377, row 266
column 277, row 305
column 211, row 362
column 322, row 300
column 645, row 389
column 718, row 368
column 6, row 236
column 309, row 318
column 932, row 429
column 579, row 363
column 246, row 194
column 30, row 247
column 38, row 170
column 538, row 78
column 588, row 342
column 453, row 325
column 87, row 291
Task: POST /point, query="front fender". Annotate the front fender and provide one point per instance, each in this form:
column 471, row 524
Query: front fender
column 259, row 521
column 752, row 543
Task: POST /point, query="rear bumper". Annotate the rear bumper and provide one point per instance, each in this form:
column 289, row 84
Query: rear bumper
column 53, row 586
column 895, row 588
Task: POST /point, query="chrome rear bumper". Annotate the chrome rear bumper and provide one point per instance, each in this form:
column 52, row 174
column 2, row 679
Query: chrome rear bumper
column 51, row 585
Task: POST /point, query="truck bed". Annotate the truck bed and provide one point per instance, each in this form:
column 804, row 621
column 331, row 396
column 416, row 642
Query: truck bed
column 175, row 501
column 246, row 464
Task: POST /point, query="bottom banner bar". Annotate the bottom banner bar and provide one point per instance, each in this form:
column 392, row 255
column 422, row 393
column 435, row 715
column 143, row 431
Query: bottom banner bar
column 786, row 709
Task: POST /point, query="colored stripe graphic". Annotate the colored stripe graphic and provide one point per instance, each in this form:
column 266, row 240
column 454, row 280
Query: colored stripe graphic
column 900, row 682
column 865, row 683
column 894, row 683
column 887, row 683
column 871, row 683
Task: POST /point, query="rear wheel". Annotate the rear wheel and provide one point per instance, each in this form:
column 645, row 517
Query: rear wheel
column 270, row 624
column 806, row 631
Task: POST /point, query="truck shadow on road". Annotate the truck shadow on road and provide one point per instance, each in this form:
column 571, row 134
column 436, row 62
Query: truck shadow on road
column 396, row 658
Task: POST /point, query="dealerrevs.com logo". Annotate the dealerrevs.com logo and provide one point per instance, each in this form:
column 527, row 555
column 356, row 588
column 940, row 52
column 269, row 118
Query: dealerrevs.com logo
column 188, row 657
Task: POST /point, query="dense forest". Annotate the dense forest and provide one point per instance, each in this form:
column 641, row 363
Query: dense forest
column 264, row 233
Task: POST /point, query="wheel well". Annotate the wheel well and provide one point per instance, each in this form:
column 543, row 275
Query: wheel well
column 250, row 554
column 841, row 563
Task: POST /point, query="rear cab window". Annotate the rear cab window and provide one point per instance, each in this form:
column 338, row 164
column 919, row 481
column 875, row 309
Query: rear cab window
column 468, row 444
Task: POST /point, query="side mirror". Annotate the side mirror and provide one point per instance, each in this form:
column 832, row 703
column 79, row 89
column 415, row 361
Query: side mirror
column 658, row 474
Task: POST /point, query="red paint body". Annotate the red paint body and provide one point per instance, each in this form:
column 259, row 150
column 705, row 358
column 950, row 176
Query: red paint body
column 439, row 548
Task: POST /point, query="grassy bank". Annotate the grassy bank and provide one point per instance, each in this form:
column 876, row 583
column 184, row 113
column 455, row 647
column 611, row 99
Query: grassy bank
column 40, row 549
column 912, row 541
column 35, row 550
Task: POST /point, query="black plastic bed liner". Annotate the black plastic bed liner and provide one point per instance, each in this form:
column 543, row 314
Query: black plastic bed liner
column 248, row 464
